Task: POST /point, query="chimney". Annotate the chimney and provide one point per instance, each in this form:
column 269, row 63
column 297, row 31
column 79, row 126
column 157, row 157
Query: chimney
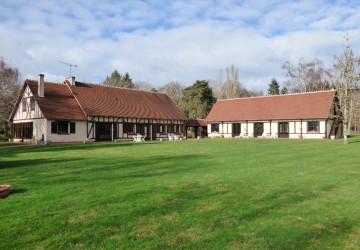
column 41, row 85
column 71, row 80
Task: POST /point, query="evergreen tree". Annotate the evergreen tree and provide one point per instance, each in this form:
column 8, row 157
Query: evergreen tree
column 284, row 90
column 274, row 87
column 198, row 100
column 118, row 80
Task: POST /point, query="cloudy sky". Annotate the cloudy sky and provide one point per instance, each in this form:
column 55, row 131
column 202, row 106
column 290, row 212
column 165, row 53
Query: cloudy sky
column 158, row 41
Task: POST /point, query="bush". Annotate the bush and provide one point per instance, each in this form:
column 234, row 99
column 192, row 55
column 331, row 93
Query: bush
column 4, row 138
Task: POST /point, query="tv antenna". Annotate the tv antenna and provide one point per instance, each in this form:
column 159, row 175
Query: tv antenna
column 70, row 65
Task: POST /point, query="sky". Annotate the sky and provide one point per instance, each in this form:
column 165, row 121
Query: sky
column 159, row 41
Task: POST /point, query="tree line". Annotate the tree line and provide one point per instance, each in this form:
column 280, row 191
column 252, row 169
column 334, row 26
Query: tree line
column 197, row 100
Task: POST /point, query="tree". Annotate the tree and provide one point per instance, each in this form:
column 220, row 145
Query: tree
column 284, row 90
column 307, row 76
column 347, row 69
column 274, row 87
column 175, row 91
column 198, row 100
column 232, row 85
column 118, row 80
column 231, row 88
column 146, row 86
column 9, row 91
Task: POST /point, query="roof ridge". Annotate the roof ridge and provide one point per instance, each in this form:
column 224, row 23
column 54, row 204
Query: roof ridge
column 287, row 94
column 44, row 81
column 118, row 87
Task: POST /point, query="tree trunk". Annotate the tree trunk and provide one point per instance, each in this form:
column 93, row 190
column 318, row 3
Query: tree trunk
column 345, row 133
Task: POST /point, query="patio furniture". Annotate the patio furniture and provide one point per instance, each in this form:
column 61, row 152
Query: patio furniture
column 213, row 135
column 139, row 138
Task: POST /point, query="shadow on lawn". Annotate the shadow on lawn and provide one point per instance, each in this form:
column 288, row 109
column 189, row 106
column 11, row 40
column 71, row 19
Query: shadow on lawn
column 149, row 167
column 32, row 162
column 13, row 151
column 18, row 191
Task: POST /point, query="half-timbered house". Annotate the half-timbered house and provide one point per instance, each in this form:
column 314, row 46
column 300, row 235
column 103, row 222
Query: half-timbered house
column 301, row 115
column 76, row 112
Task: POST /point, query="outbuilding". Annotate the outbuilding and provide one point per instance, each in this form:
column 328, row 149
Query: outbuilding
column 312, row 115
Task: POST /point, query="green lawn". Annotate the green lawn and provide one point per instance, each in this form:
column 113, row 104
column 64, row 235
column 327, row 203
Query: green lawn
column 206, row 194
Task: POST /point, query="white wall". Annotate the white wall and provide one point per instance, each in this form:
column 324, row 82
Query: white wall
column 274, row 129
column 79, row 136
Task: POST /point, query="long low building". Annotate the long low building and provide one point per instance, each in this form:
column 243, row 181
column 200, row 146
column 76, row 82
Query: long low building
column 76, row 112
column 303, row 115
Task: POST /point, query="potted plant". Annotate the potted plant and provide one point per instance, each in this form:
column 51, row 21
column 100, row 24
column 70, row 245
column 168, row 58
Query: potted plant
column 4, row 190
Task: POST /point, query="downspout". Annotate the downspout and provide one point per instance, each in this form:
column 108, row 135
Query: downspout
column 326, row 124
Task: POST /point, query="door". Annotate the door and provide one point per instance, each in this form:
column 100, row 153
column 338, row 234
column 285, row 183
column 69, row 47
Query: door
column 145, row 130
column 258, row 129
column 153, row 132
column 103, row 131
column 283, row 130
column 236, row 129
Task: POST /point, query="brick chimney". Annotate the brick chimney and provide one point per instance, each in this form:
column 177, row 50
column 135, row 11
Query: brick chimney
column 41, row 85
column 71, row 80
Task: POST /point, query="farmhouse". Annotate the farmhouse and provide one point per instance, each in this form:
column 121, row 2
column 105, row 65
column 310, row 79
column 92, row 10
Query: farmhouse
column 302, row 115
column 76, row 112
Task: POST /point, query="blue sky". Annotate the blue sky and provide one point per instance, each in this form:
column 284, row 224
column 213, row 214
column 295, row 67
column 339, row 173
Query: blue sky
column 161, row 41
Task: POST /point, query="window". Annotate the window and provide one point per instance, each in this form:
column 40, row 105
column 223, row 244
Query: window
column 63, row 127
column 170, row 129
column 129, row 128
column 161, row 128
column 72, row 127
column 23, row 130
column 32, row 103
column 24, row 104
column 215, row 127
column 313, row 127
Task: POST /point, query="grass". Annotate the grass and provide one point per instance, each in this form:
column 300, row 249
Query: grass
column 206, row 194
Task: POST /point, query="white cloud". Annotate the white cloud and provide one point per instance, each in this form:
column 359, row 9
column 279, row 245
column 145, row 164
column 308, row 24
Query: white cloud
column 161, row 41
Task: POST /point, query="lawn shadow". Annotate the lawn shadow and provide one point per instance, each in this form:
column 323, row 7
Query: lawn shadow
column 18, row 191
column 13, row 151
column 32, row 162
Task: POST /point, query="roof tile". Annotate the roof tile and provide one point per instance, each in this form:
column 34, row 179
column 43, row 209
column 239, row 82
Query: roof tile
column 291, row 106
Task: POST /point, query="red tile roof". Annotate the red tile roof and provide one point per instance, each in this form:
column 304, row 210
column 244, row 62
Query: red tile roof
column 63, row 101
column 315, row 105
column 99, row 100
column 58, row 101
column 195, row 123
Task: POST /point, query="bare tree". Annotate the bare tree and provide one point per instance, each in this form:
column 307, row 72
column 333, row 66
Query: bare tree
column 231, row 88
column 9, row 90
column 146, row 86
column 232, row 85
column 175, row 91
column 347, row 69
column 217, row 86
column 307, row 76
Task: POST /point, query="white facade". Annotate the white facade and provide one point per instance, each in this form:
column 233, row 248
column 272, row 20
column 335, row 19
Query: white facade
column 28, row 112
column 296, row 129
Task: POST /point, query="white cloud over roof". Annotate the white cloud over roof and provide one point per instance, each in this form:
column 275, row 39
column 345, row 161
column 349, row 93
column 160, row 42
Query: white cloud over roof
column 161, row 41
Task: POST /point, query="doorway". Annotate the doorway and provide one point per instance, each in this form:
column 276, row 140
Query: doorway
column 103, row 131
column 283, row 130
column 236, row 129
column 258, row 129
